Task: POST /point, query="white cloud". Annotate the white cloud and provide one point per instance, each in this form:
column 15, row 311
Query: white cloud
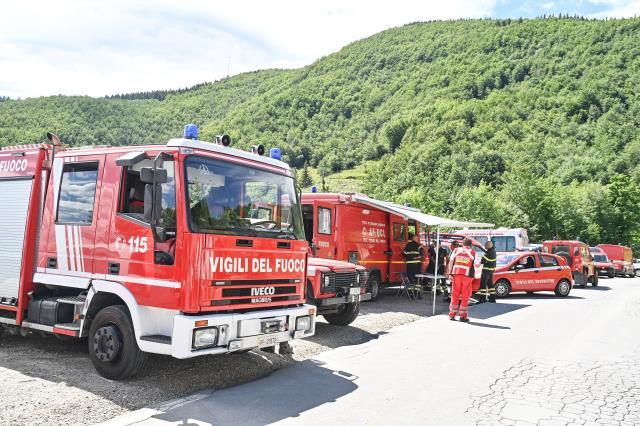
column 617, row 8
column 548, row 5
column 97, row 48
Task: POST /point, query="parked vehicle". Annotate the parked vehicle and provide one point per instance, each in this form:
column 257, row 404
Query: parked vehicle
column 578, row 258
column 360, row 230
column 602, row 263
column 336, row 289
column 622, row 258
column 152, row 249
column 504, row 239
column 532, row 272
column 636, row 267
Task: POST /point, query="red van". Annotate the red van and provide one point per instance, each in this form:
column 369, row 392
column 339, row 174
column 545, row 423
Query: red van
column 577, row 255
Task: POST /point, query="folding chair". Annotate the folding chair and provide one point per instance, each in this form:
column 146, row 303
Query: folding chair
column 407, row 287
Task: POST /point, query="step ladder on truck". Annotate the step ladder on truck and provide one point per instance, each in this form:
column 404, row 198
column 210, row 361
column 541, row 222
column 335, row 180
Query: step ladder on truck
column 152, row 249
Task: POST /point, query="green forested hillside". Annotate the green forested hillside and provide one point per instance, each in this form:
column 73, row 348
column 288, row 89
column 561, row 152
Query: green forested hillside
column 530, row 123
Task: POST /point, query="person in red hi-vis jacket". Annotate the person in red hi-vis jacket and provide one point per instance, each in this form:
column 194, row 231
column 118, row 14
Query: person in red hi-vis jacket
column 461, row 270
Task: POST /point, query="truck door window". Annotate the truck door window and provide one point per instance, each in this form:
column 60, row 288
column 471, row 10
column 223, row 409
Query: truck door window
column 307, row 218
column 77, row 193
column 132, row 195
column 324, row 221
column 399, row 232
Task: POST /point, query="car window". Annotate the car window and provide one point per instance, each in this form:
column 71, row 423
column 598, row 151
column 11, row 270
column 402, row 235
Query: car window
column 77, row 193
column 505, row 259
column 546, row 261
column 324, row 221
column 399, row 232
column 560, row 249
column 527, row 261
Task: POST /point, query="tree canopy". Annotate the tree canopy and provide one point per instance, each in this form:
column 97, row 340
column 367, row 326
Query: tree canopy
column 527, row 123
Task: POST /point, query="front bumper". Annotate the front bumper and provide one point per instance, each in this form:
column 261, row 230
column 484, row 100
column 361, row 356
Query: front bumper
column 241, row 330
column 606, row 271
column 341, row 300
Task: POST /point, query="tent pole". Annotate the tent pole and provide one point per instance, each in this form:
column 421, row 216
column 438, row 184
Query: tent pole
column 435, row 280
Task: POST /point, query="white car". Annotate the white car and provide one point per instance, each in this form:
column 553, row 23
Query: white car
column 636, row 267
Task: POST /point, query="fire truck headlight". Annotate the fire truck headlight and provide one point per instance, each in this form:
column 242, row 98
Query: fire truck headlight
column 205, row 337
column 303, row 323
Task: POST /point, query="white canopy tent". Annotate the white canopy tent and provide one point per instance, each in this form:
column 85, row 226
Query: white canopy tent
column 425, row 219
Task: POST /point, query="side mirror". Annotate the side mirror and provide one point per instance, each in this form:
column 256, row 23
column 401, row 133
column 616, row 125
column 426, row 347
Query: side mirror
column 152, row 213
column 576, row 251
column 519, row 267
column 152, row 175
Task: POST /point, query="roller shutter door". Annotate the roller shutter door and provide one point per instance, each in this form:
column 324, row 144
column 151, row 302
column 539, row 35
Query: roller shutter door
column 13, row 218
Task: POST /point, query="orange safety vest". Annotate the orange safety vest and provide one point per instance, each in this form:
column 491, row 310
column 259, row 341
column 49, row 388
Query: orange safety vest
column 462, row 261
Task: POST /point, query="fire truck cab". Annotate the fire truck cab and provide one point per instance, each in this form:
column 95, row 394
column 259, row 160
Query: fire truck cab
column 152, row 249
column 578, row 257
column 357, row 229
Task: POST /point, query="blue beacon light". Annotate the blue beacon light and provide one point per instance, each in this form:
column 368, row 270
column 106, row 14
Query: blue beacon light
column 275, row 153
column 314, row 189
column 190, row 131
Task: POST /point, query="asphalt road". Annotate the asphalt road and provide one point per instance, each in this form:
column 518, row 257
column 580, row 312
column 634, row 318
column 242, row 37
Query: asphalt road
column 530, row 359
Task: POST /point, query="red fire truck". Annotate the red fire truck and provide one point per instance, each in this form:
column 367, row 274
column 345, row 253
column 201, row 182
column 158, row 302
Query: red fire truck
column 578, row 257
column 622, row 258
column 336, row 288
column 152, row 249
column 359, row 230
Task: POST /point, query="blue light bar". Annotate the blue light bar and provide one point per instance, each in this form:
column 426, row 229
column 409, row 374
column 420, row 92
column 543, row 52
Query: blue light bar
column 190, row 131
column 275, row 153
column 314, row 189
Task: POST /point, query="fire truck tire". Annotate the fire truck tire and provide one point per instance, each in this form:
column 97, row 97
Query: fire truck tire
column 563, row 288
column 347, row 316
column 374, row 286
column 503, row 288
column 594, row 280
column 113, row 349
column 613, row 274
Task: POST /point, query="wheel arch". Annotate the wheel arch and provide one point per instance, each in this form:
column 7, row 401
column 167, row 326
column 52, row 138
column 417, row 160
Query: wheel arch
column 107, row 293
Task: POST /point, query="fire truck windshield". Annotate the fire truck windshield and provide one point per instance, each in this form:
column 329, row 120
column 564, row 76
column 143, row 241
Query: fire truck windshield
column 229, row 198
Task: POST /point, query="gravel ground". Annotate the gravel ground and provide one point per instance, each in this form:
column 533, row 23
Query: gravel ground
column 50, row 381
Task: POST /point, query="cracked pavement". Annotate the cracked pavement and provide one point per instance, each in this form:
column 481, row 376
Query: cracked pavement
column 551, row 392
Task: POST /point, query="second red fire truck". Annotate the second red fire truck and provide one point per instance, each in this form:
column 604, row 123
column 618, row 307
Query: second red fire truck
column 360, row 230
column 152, row 249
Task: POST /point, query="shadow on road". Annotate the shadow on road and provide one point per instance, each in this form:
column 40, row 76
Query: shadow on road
column 284, row 394
column 481, row 324
column 333, row 336
column 490, row 310
column 599, row 288
column 541, row 296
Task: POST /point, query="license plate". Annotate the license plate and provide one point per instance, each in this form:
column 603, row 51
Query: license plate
column 267, row 341
column 354, row 290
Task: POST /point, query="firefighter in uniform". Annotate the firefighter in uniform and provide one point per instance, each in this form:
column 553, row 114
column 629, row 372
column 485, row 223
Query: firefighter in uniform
column 413, row 256
column 461, row 269
column 487, row 291
column 441, row 287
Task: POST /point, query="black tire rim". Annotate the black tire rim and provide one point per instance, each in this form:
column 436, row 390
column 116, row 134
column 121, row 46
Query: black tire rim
column 563, row 288
column 107, row 343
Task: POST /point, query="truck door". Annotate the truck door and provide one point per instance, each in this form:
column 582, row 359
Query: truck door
column 324, row 238
column 76, row 193
column 146, row 267
column 397, row 242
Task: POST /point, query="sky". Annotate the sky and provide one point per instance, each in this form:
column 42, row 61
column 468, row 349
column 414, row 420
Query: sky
column 97, row 48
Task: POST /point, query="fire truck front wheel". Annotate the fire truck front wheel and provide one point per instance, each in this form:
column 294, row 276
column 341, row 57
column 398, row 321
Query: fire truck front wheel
column 374, row 286
column 112, row 344
column 348, row 313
